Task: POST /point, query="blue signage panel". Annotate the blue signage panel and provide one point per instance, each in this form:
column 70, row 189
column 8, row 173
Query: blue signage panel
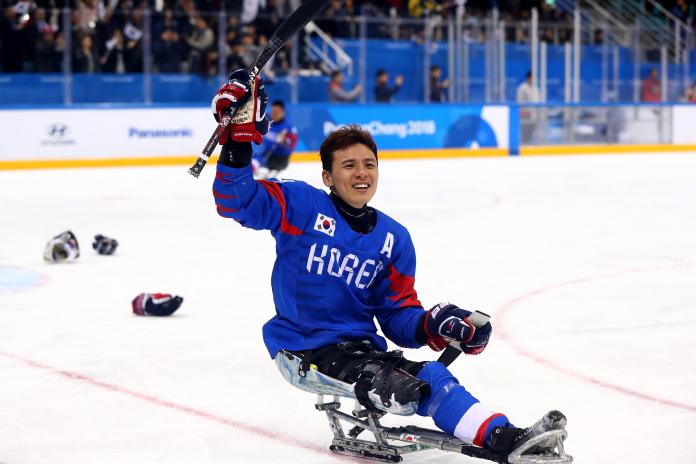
column 402, row 126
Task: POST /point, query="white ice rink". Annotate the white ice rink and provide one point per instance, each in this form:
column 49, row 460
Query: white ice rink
column 587, row 264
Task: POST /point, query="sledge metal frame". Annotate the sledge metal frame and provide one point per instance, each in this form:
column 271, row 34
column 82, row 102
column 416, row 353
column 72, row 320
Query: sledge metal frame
column 413, row 438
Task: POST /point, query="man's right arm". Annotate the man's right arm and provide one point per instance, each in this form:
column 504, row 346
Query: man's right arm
column 237, row 195
column 255, row 204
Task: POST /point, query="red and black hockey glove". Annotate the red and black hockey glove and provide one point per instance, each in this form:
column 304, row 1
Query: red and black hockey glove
column 249, row 123
column 445, row 322
column 156, row 304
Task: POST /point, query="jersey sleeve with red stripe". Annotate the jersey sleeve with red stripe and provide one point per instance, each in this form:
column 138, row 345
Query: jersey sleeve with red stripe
column 398, row 309
column 260, row 205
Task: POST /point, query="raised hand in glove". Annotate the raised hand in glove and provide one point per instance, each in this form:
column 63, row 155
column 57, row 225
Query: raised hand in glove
column 445, row 322
column 249, row 123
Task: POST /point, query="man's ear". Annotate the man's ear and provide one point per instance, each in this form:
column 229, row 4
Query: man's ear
column 326, row 178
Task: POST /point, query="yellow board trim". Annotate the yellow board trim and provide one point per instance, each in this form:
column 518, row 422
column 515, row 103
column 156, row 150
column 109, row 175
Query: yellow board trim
column 97, row 163
column 600, row 149
column 383, row 154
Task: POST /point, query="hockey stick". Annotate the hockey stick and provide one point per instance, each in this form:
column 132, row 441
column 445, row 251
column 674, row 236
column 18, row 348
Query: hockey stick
column 293, row 23
column 453, row 350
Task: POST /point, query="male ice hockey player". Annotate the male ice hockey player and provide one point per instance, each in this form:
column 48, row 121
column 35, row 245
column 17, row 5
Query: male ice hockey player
column 274, row 153
column 340, row 265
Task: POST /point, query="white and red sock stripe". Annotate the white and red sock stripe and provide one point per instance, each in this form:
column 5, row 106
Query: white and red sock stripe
column 471, row 428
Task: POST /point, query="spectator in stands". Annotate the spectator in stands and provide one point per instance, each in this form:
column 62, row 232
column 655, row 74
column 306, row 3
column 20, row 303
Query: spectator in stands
column 14, row 31
column 438, row 88
column 233, row 25
column 249, row 48
column 383, row 92
column 167, row 21
column 114, row 58
column 42, row 26
column 58, row 51
column 104, row 30
column 334, row 20
column 527, row 93
column 281, row 61
column 168, row 51
column 210, row 63
column 85, row 59
column 598, row 37
column 250, row 9
column 420, row 8
column 691, row 93
column 269, row 18
column 133, row 33
column 336, row 91
column 86, row 16
column 48, row 56
column 681, row 10
column 651, row 87
column 200, row 40
column 235, row 58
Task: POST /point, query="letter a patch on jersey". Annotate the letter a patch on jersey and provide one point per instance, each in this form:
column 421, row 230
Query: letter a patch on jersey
column 325, row 224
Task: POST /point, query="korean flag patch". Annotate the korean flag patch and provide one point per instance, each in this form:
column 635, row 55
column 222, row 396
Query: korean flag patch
column 325, row 224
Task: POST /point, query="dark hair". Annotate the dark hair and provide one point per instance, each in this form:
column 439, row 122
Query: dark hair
column 528, row 75
column 381, row 72
column 434, row 67
column 335, row 73
column 278, row 103
column 343, row 138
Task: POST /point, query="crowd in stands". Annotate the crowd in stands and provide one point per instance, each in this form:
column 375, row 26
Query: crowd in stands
column 193, row 36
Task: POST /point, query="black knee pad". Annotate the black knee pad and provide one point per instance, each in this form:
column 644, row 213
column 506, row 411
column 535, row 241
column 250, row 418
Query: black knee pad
column 389, row 383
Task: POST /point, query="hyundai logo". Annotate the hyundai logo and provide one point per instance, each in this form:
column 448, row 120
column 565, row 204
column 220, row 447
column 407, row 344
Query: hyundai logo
column 58, row 130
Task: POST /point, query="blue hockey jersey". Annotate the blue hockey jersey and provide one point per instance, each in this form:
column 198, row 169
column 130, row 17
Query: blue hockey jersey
column 275, row 145
column 329, row 282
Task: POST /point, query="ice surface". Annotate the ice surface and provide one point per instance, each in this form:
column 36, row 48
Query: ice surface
column 587, row 264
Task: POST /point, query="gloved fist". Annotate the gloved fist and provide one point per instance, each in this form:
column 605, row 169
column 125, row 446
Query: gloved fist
column 249, row 123
column 156, row 304
column 104, row 245
column 445, row 322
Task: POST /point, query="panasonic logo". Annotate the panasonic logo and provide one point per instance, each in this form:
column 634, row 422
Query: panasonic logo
column 134, row 132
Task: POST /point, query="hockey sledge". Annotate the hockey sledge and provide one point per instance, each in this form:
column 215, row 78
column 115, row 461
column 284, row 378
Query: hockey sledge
column 389, row 444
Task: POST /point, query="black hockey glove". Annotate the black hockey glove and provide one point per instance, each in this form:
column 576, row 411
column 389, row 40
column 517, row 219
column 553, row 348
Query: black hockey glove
column 156, row 304
column 445, row 322
column 104, row 245
column 236, row 154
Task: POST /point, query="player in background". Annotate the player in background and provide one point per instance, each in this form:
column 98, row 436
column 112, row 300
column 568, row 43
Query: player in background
column 273, row 155
column 341, row 264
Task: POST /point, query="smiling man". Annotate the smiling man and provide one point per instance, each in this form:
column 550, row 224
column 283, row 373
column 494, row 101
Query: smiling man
column 340, row 265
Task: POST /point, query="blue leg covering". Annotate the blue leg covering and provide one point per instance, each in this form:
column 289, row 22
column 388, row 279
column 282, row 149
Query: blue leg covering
column 448, row 401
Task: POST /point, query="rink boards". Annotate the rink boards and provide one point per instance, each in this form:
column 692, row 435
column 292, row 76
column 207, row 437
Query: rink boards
column 94, row 136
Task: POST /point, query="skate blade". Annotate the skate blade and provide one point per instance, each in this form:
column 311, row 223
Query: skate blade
column 365, row 450
column 552, row 440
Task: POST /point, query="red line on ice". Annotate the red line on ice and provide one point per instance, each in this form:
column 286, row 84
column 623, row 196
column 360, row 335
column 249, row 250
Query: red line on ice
column 286, row 439
column 501, row 332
